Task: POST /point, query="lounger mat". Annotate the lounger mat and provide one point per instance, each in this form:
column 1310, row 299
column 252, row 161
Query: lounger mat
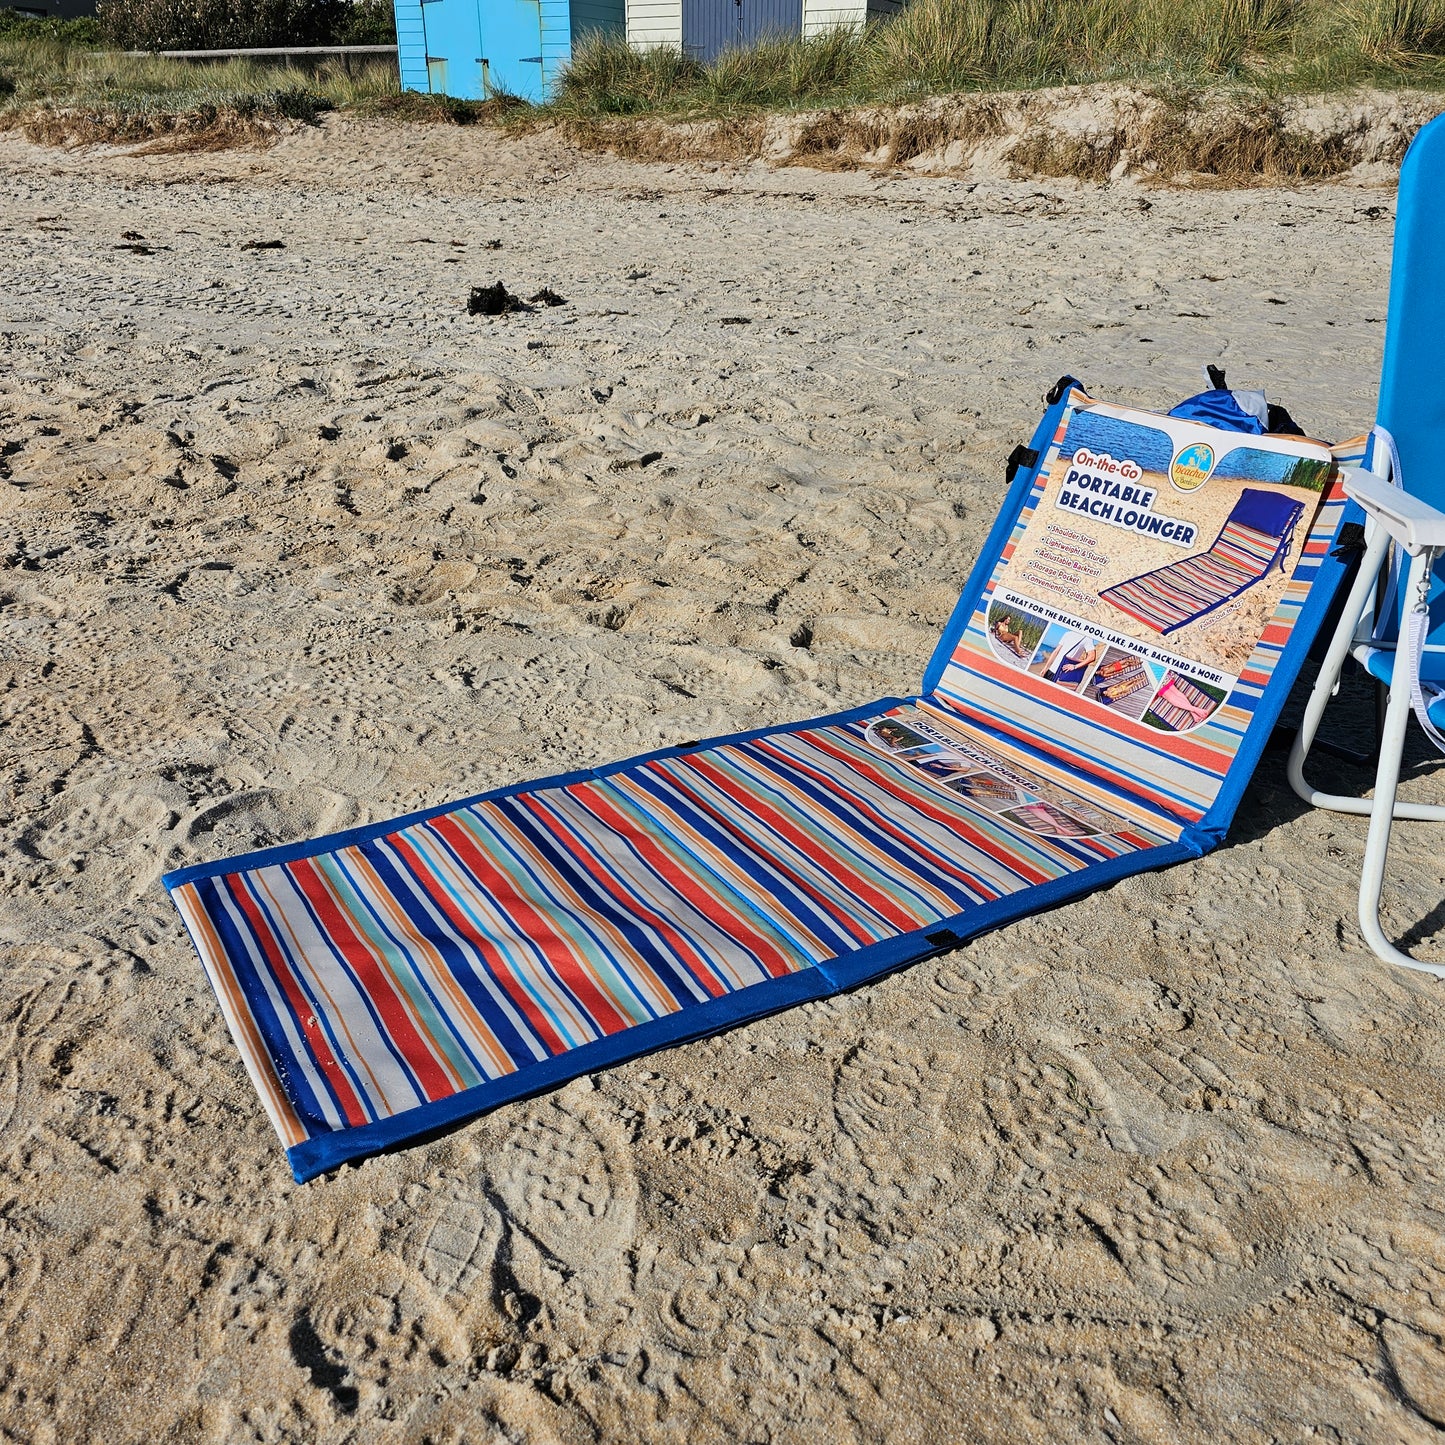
column 391, row 980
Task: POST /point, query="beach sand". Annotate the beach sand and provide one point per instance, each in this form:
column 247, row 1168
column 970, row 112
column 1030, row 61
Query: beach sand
column 291, row 542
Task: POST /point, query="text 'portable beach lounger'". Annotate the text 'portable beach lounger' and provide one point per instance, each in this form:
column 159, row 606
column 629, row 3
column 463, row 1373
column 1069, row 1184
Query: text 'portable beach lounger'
column 1256, row 536
column 400, row 977
column 1393, row 622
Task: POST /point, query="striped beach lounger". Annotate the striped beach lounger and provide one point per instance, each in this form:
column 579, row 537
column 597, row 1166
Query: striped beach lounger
column 1123, row 679
column 1257, row 534
column 1180, row 705
column 399, row 978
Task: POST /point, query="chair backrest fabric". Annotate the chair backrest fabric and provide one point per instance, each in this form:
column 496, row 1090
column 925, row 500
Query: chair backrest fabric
column 1412, row 399
column 1411, row 404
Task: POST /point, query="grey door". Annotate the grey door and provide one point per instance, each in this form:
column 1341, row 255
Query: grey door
column 712, row 26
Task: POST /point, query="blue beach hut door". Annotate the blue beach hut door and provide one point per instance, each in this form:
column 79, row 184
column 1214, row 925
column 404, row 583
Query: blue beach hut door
column 512, row 48
column 453, row 48
column 711, row 26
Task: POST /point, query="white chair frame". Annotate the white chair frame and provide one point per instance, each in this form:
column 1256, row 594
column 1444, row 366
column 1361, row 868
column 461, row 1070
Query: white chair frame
column 1394, row 518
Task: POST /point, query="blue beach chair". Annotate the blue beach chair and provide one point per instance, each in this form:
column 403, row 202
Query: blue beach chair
column 1393, row 623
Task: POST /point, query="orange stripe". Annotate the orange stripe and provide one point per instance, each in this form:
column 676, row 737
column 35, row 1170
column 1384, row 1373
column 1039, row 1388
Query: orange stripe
column 238, row 1015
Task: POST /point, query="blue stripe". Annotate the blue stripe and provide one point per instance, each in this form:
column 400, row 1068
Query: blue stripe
column 670, row 971
column 685, row 907
column 297, row 1087
column 774, row 852
column 403, row 884
column 540, row 963
column 792, row 901
column 1110, row 782
column 857, row 811
column 362, row 909
column 757, row 781
column 317, row 1156
column 854, row 813
column 344, row 968
column 785, row 931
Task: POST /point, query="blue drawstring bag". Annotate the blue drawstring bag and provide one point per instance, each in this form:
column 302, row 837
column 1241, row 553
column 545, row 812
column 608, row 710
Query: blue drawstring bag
column 1245, row 411
column 1219, row 407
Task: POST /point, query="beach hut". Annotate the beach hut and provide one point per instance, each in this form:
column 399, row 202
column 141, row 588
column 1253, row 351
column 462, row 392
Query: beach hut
column 473, row 49
column 703, row 28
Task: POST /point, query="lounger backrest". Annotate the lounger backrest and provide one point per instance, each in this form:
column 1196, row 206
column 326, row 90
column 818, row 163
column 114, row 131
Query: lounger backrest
column 1269, row 512
column 1412, row 398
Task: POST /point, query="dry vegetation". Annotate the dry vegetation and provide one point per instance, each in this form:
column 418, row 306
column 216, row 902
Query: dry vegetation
column 940, row 47
column 1212, row 87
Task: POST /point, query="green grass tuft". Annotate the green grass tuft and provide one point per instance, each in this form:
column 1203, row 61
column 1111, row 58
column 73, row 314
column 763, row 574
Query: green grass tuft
column 938, row 47
column 54, row 85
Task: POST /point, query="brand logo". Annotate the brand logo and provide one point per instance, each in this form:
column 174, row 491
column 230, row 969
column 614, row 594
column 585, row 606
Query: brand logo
column 1192, row 466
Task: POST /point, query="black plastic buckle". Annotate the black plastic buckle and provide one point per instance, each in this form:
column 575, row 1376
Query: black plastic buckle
column 1060, row 388
column 1020, row 457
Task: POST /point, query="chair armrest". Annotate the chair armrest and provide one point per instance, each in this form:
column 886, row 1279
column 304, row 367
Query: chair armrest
column 1411, row 522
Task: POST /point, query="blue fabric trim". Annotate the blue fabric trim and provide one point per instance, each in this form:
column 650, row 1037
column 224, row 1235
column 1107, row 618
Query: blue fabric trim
column 289, row 852
column 327, row 1151
column 873, row 962
column 996, row 541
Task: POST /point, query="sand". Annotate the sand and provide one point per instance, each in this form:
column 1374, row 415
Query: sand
column 292, row 542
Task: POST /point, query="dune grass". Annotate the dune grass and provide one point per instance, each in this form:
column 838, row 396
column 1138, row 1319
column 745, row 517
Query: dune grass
column 60, row 91
column 56, row 86
column 936, row 47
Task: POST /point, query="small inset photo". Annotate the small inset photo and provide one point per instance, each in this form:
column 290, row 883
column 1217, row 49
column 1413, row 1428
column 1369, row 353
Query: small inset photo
column 1066, row 657
column 989, row 791
column 1123, row 683
column 939, row 764
column 1014, row 632
column 893, row 737
column 1048, row 820
column 1182, row 703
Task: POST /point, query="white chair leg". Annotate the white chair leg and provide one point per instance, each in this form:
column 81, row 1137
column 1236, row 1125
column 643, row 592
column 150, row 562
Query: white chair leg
column 1324, row 690
column 1383, row 812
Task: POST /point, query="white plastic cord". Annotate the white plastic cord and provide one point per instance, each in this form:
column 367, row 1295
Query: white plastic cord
column 1422, row 694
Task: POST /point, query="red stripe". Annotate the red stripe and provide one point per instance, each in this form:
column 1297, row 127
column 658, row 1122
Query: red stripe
column 396, row 1019
column 689, row 956
column 778, row 821
column 532, row 923
column 1178, row 812
column 735, row 925
column 985, row 664
column 750, row 846
column 496, row 963
column 921, row 801
column 316, row 1040
column 981, row 841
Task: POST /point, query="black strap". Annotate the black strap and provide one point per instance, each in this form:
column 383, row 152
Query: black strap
column 1019, row 458
column 1056, row 392
column 1279, row 420
column 1350, row 542
column 1216, row 377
